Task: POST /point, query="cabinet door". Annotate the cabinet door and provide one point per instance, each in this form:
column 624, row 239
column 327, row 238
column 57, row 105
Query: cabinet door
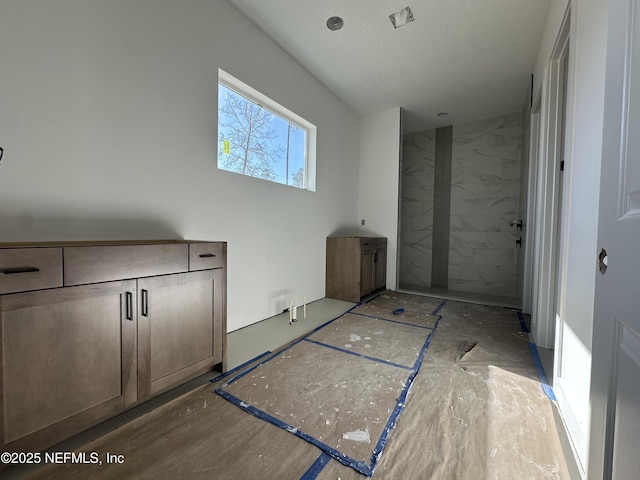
column 68, row 360
column 367, row 272
column 380, row 261
column 179, row 328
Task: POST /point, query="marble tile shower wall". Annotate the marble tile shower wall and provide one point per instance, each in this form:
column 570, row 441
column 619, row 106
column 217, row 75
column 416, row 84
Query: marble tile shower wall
column 485, row 189
column 416, row 208
column 485, row 196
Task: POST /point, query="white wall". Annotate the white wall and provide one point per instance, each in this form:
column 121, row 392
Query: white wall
column 379, row 181
column 582, row 184
column 108, row 118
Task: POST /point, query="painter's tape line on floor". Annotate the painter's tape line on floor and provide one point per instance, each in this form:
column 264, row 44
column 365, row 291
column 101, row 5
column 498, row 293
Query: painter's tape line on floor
column 360, row 467
column 239, row 367
column 439, row 307
column 544, row 381
column 282, row 350
column 356, row 354
column 523, row 324
column 390, row 320
column 393, row 419
column 317, row 467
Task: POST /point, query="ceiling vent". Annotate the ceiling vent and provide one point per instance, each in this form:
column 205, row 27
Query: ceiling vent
column 401, row 18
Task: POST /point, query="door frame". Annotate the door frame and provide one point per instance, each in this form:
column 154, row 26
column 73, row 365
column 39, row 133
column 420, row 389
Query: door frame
column 548, row 258
column 529, row 284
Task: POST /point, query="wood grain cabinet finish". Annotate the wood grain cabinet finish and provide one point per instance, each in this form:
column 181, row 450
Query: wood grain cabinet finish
column 178, row 328
column 76, row 352
column 356, row 266
column 23, row 269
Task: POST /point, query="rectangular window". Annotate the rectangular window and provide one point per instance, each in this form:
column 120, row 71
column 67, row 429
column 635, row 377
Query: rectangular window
column 260, row 138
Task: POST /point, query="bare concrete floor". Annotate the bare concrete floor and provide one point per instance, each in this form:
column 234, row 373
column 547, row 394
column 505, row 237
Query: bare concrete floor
column 476, row 410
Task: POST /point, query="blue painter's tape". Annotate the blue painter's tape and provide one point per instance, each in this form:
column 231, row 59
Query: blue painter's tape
column 317, row 467
column 356, row 354
column 284, row 349
column 544, row 381
column 393, row 419
column 360, row 467
column 390, row 320
column 523, row 324
column 239, row 367
column 439, row 307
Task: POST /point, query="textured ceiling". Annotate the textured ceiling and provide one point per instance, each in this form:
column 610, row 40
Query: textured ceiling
column 470, row 58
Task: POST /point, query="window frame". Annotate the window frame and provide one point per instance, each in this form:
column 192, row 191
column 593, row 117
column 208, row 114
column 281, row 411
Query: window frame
column 253, row 95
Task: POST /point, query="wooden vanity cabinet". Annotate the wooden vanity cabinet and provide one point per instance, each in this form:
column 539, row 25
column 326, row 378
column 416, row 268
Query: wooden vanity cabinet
column 356, row 266
column 68, row 359
column 178, row 328
column 89, row 330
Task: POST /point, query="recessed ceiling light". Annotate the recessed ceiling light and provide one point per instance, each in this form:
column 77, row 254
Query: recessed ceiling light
column 335, row 23
column 443, row 114
column 401, row 18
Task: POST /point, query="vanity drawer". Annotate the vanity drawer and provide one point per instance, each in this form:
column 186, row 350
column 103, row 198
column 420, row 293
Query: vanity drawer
column 203, row 256
column 368, row 243
column 23, row 269
column 92, row 264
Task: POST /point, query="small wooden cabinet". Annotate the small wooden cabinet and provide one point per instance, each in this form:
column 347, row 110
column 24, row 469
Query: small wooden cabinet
column 356, row 266
column 89, row 330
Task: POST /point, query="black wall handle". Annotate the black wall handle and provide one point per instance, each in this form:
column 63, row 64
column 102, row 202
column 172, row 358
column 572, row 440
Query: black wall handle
column 206, row 255
column 12, row 271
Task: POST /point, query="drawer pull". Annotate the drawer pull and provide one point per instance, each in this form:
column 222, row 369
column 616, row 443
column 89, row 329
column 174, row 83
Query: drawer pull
column 11, row 271
column 129, row 306
column 145, row 303
column 206, row 255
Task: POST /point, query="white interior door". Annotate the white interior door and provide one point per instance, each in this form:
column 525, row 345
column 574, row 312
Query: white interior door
column 615, row 380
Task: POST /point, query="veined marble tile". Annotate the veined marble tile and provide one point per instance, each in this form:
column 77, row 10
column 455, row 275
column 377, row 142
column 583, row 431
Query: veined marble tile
column 463, row 206
column 503, row 258
column 418, row 239
column 499, row 206
column 461, row 256
column 471, row 286
column 504, row 240
column 508, row 189
column 479, row 223
column 485, row 196
column 418, row 213
column 491, row 175
column 511, row 172
column 458, row 240
column 415, row 258
column 415, row 270
column 488, row 124
column 469, row 190
column 487, row 279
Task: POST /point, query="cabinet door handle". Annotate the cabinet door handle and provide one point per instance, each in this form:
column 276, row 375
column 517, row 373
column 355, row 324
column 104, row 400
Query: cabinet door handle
column 129, row 306
column 12, row 271
column 145, row 303
column 206, row 255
